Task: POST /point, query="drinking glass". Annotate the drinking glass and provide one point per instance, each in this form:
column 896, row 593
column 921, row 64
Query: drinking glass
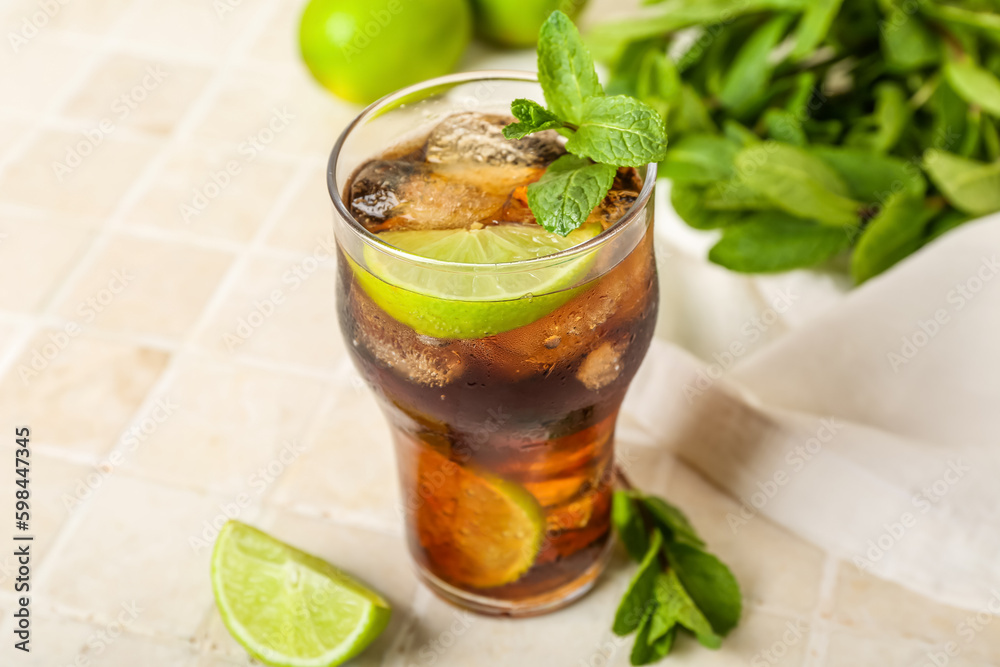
column 504, row 442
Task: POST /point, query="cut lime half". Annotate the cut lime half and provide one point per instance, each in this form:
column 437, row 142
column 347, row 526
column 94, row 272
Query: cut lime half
column 287, row 608
column 479, row 530
column 477, row 301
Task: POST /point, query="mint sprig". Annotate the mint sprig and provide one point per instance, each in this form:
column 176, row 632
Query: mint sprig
column 678, row 587
column 568, row 191
column 603, row 132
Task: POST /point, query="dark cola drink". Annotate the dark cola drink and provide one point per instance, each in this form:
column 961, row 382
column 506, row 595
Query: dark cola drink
column 503, row 411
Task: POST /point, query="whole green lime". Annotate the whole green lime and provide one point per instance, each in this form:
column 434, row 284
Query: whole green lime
column 364, row 49
column 515, row 23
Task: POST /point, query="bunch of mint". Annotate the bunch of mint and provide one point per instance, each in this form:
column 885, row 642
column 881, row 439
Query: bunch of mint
column 603, row 132
column 805, row 128
column 679, row 586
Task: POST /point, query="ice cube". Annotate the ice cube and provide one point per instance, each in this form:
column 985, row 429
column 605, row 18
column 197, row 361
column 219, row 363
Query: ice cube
column 421, row 359
column 391, row 194
column 602, row 366
column 478, row 138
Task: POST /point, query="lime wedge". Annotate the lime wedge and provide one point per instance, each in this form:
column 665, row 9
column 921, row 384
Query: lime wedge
column 287, row 608
column 478, row 530
column 470, row 304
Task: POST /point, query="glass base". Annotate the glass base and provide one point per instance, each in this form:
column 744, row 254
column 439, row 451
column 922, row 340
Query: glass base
column 536, row 605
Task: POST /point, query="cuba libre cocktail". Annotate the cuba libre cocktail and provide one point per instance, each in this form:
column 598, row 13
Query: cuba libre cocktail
column 500, row 352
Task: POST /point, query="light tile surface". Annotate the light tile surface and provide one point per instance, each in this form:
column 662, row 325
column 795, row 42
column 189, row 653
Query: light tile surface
column 141, row 286
column 93, row 385
column 281, row 310
column 170, row 601
column 213, row 191
column 138, row 93
column 36, row 253
column 246, row 424
column 218, row 375
column 342, row 472
column 76, row 174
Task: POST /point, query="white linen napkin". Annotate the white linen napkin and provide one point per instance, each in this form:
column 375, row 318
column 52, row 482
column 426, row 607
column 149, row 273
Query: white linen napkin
column 863, row 420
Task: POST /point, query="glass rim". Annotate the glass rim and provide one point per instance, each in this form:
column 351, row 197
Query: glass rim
column 376, row 108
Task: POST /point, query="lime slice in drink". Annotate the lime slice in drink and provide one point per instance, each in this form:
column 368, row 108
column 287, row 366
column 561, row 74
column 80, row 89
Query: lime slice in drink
column 470, row 303
column 287, row 608
column 478, row 529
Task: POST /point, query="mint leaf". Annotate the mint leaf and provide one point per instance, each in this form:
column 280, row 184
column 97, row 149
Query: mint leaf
column 908, row 43
column 619, row 130
column 671, row 520
column 643, row 652
column 646, row 650
column 628, row 522
column 689, row 203
column 746, row 81
column 533, row 117
column 799, row 183
column 675, row 607
column 710, row 584
column 735, row 195
column 785, row 126
column 700, row 158
column 871, row 177
column 638, row 599
column 568, row 191
column 565, row 68
column 986, row 21
column 893, row 234
column 881, row 131
column 813, row 26
column 970, row 186
column 775, row 241
column 974, row 84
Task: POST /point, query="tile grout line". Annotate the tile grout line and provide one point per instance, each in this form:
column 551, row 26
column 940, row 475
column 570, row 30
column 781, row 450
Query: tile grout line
column 20, row 148
column 820, row 624
column 266, row 506
column 112, row 224
column 242, row 260
column 99, row 52
column 195, row 113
